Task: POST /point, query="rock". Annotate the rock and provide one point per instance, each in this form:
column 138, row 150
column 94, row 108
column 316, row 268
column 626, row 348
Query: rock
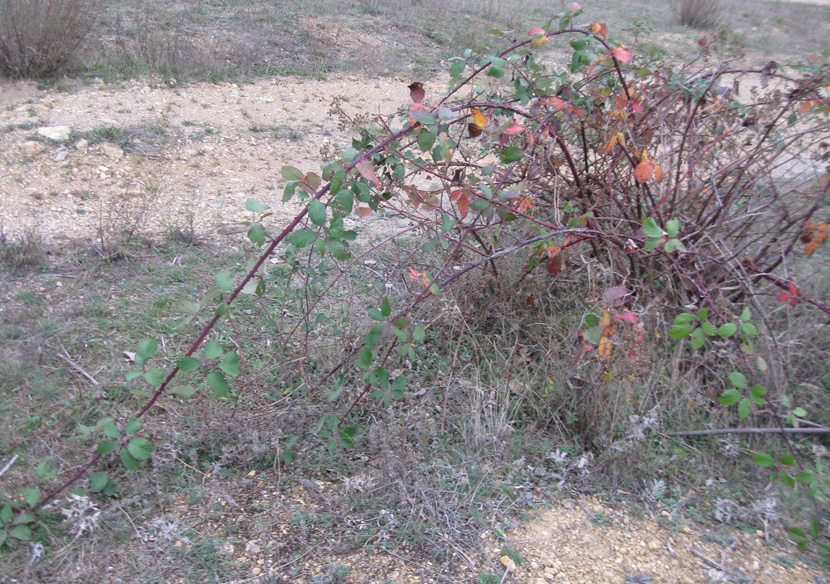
column 31, row 147
column 61, row 154
column 40, row 109
column 112, row 151
column 56, row 133
column 82, row 144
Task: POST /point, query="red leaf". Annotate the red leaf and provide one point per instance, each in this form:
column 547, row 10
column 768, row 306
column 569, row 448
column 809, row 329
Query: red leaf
column 794, row 289
column 535, row 31
column 364, row 211
column 554, row 265
column 514, row 129
column 627, row 316
column 464, row 201
column 416, row 92
column 364, row 167
column 622, row 54
column 615, row 293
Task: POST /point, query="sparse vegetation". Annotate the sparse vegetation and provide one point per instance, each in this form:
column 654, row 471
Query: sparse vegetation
column 40, row 37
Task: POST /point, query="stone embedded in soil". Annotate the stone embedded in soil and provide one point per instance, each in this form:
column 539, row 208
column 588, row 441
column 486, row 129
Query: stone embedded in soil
column 55, row 133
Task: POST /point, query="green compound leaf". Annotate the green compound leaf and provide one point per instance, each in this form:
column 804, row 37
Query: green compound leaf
column 730, row 397
column 255, row 206
column 31, row 496
column 419, row 333
column 98, row 481
column 764, row 460
column 738, row 379
column 183, row 391
column 224, row 280
column 188, row 363
column 154, row 377
column 129, row 461
column 230, row 364
column 218, row 382
column 107, row 446
column 132, row 426
column 681, row 331
column 744, row 408
column 140, row 448
column 21, row 532
column 212, row 350
column 651, row 228
column 291, row 173
column 257, row 233
column 317, row 212
column 302, row 238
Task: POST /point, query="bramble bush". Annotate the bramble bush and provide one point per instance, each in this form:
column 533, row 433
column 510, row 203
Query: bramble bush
column 671, row 198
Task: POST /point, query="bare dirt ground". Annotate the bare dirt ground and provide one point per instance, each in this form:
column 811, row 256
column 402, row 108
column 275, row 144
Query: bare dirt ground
column 173, row 156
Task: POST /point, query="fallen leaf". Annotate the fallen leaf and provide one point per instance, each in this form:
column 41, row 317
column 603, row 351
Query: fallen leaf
column 554, row 265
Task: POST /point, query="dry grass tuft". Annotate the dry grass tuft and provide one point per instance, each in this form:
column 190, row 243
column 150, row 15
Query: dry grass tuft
column 39, row 37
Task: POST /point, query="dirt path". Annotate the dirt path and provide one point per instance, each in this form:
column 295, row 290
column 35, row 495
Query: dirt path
column 163, row 154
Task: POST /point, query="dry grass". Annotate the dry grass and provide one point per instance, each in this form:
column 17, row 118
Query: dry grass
column 699, row 13
column 40, row 37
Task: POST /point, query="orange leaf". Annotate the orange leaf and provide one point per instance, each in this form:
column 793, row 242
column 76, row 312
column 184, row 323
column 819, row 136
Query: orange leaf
column 821, row 237
column 600, row 29
column 554, row 250
column 364, row 167
column 416, row 107
column 811, row 247
column 364, row 211
column 622, row 54
column 478, row 117
column 659, row 175
column 644, row 171
column 524, row 204
column 416, row 92
column 806, row 106
column 608, row 148
column 554, row 102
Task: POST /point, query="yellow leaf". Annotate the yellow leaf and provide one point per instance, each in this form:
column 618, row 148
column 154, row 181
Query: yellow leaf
column 478, row 117
column 605, row 347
